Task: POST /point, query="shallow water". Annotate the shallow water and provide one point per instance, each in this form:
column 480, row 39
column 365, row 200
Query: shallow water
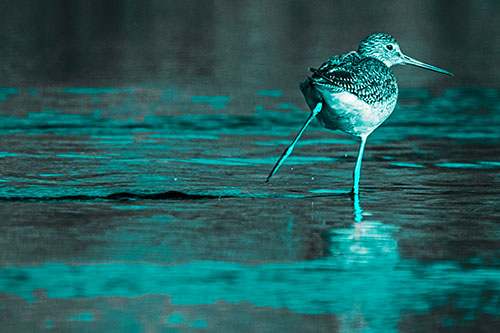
column 119, row 211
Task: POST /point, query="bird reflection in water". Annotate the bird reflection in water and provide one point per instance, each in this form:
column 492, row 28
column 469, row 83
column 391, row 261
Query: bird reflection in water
column 358, row 211
column 359, row 230
column 366, row 241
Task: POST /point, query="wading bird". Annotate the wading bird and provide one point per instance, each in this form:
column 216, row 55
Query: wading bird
column 355, row 92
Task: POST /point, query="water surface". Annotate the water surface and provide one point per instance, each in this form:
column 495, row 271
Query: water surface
column 146, row 207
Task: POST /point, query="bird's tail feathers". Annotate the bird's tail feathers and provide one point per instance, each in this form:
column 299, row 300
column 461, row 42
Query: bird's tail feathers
column 310, row 93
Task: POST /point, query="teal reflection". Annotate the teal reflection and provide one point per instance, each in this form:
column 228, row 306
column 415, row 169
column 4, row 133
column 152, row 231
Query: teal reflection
column 468, row 165
column 6, row 154
column 216, row 102
column 358, row 211
column 95, row 90
column 6, row 91
column 270, row 93
column 307, row 142
column 407, row 165
column 175, row 318
column 363, row 279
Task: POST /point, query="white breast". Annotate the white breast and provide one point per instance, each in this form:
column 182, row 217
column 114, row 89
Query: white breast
column 346, row 112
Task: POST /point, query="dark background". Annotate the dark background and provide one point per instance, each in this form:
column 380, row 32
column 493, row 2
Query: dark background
column 261, row 44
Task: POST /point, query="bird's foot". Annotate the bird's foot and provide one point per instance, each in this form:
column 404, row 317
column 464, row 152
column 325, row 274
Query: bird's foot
column 354, row 193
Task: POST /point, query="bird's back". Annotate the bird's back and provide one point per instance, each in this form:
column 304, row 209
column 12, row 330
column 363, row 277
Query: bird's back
column 359, row 93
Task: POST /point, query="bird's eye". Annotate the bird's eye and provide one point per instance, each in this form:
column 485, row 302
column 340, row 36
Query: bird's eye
column 389, row 47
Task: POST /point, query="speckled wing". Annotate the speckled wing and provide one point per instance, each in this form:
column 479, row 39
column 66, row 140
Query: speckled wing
column 367, row 78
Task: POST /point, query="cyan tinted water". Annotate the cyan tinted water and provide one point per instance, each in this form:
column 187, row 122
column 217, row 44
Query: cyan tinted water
column 136, row 138
column 145, row 207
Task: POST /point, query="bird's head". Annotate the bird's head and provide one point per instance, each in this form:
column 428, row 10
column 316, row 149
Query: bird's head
column 385, row 48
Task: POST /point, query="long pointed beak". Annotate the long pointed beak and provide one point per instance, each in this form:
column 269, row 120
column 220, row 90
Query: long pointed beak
column 414, row 62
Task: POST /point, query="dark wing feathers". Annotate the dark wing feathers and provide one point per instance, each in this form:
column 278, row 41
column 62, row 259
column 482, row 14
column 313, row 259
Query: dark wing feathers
column 319, row 74
column 367, row 78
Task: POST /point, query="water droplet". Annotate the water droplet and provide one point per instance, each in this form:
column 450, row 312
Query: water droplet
column 312, row 178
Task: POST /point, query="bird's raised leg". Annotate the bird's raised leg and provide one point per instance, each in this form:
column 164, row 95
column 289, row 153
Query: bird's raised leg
column 289, row 150
column 357, row 168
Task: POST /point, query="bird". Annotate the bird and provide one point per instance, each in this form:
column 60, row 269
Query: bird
column 355, row 93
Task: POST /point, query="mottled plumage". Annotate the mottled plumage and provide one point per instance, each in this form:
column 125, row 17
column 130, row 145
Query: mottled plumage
column 355, row 92
column 358, row 73
column 367, row 78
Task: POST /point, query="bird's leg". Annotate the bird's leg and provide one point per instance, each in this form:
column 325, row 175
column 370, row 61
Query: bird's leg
column 357, row 169
column 289, row 150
